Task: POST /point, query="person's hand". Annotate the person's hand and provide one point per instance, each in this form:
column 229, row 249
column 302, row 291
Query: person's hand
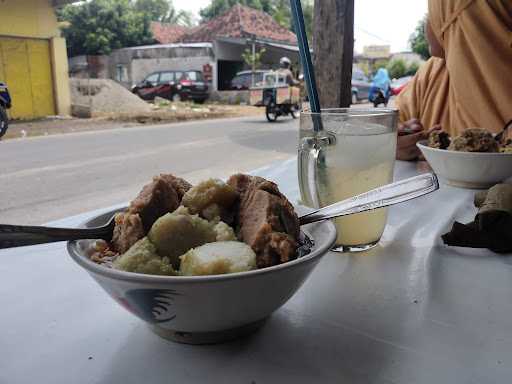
column 409, row 134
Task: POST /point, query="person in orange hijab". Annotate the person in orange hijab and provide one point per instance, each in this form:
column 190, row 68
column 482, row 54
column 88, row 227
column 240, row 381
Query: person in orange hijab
column 468, row 82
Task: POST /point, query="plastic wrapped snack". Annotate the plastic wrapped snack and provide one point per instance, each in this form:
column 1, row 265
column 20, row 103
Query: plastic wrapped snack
column 218, row 258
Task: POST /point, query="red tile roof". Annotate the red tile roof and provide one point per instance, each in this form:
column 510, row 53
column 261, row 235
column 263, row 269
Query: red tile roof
column 240, row 22
column 168, row 33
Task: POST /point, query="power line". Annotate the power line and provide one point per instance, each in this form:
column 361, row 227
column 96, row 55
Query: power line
column 373, row 35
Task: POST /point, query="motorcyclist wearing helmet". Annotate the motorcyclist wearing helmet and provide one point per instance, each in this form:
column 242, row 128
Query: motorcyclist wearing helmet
column 285, row 69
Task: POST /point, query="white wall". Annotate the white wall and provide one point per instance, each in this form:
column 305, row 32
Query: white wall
column 228, row 51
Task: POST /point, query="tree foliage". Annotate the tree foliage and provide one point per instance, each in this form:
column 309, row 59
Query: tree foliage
column 97, row 27
column 418, row 40
column 278, row 9
column 398, row 68
column 163, row 11
column 218, row 7
column 253, row 61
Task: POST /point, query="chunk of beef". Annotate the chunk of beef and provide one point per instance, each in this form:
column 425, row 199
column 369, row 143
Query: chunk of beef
column 161, row 196
column 157, row 198
column 180, row 185
column 266, row 220
column 127, row 231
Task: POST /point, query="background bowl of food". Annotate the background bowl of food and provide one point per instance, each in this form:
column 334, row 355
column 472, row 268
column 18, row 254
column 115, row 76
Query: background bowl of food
column 472, row 160
column 204, row 264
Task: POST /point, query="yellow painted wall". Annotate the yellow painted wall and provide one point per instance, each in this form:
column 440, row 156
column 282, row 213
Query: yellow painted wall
column 36, row 19
column 60, row 75
column 41, row 77
column 27, row 70
column 15, row 73
column 28, row 18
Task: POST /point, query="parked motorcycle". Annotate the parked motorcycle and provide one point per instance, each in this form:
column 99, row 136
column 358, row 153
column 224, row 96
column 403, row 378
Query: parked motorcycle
column 380, row 91
column 5, row 104
column 278, row 98
column 379, row 96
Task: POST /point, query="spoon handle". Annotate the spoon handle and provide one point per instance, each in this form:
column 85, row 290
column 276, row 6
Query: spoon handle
column 385, row 196
column 19, row 235
column 499, row 137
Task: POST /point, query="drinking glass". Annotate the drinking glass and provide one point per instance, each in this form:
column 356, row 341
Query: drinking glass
column 353, row 152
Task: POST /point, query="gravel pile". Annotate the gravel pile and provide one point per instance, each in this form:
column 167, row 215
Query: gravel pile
column 107, row 97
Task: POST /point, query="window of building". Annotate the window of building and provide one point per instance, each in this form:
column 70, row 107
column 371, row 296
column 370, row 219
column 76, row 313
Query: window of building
column 121, row 73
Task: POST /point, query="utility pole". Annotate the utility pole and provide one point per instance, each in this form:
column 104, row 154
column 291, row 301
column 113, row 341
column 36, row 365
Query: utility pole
column 333, row 46
column 253, row 60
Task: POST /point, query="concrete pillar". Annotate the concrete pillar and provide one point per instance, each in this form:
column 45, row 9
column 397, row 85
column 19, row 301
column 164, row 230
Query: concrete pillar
column 215, row 80
column 60, row 75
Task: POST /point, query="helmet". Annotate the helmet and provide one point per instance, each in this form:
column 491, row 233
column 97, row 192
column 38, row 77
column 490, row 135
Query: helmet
column 285, row 62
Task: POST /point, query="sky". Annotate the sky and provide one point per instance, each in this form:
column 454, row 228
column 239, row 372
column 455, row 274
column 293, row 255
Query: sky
column 379, row 22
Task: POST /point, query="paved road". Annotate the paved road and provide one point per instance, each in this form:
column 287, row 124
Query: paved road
column 47, row 178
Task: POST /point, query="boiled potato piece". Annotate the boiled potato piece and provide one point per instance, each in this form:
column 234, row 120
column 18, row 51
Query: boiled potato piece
column 142, row 258
column 175, row 233
column 209, row 198
column 218, row 258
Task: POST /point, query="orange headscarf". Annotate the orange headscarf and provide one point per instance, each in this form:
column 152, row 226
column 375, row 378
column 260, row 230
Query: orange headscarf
column 477, row 38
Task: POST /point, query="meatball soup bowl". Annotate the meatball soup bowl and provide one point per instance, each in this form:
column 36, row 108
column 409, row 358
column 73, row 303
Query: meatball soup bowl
column 476, row 170
column 206, row 309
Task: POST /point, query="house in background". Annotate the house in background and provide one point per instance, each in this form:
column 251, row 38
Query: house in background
column 375, row 56
column 165, row 33
column 407, row 57
column 33, row 59
column 214, row 47
column 235, row 31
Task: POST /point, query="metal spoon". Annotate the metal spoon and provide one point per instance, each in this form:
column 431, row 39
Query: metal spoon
column 20, row 235
column 499, row 137
column 390, row 194
column 395, row 193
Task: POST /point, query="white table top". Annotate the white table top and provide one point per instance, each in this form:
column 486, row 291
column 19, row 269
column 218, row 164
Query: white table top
column 409, row 311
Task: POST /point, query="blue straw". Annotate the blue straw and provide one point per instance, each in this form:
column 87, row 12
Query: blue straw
column 307, row 64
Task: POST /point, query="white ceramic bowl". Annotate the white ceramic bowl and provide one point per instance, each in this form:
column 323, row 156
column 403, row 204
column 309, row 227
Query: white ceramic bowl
column 206, row 309
column 468, row 169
